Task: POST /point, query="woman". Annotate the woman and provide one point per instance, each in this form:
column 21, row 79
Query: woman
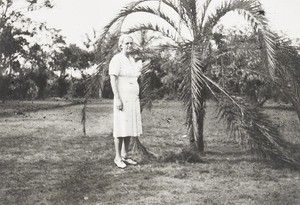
column 124, row 72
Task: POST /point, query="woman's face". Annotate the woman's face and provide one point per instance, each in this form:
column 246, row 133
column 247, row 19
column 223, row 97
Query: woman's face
column 127, row 45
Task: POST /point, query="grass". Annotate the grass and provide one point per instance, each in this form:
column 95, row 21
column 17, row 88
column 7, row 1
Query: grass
column 45, row 159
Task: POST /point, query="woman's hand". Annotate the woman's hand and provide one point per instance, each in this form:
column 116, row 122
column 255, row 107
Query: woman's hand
column 119, row 104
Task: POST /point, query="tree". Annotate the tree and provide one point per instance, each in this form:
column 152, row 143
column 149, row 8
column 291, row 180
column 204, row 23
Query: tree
column 196, row 53
column 15, row 31
column 19, row 54
column 69, row 57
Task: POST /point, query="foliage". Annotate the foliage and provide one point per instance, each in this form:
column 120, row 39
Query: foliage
column 5, row 86
column 39, row 67
column 17, row 87
column 79, row 88
column 70, row 56
column 60, row 86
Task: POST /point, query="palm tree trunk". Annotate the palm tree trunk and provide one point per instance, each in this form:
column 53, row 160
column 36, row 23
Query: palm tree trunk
column 197, row 141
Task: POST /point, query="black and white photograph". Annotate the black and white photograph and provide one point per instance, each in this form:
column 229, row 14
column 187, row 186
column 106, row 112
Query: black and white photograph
column 149, row 102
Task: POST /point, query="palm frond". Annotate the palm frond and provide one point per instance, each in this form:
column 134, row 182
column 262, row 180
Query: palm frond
column 268, row 48
column 267, row 38
column 146, row 87
column 145, row 40
column 150, row 27
column 204, row 82
column 203, row 13
column 93, row 80
column 91, row 83
column 207, row 80
column 107, row 48
column 137, row 7
column 193, row 93
column 162, row 15
column 179, row 10
column 119, row 19
column 251, row 10
column 189, row 9
column 239, row 5
column 257, row 133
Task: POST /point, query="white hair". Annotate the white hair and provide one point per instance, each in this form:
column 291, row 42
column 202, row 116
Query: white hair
column 122, row 37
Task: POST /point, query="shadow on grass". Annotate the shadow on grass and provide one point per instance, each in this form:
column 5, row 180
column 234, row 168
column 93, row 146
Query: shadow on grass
column 185, row 156
column 36, row 170
column 85, row 180
column 22, row 108
column 237, row 157
column 231, row 157
column 31, row 183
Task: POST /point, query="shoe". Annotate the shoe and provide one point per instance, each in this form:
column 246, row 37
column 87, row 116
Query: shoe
column 129, row 161
column 120, row 164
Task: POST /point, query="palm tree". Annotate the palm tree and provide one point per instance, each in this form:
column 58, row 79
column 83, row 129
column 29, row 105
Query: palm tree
column 195, row 47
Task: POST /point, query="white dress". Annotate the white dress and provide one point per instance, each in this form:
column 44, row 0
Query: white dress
column 126, row 123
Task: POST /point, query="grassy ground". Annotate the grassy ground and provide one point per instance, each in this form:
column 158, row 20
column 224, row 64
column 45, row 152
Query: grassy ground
column 46, row 160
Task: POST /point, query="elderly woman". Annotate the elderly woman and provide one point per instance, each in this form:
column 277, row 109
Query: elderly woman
column 124, row 72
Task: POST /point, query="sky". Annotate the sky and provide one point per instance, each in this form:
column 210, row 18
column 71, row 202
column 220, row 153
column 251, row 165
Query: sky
column 76, row 18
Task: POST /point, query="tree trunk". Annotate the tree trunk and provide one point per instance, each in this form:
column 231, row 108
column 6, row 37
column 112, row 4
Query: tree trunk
column 197, row 142
column 40, row 94
column 101, row 87
column 200, row 141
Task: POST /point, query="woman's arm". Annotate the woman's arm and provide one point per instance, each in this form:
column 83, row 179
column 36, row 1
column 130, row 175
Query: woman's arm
column 118, row 101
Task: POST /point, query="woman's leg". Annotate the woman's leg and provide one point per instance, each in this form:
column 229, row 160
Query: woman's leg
column 118, row 144
column 124, row 152
column 125, row 147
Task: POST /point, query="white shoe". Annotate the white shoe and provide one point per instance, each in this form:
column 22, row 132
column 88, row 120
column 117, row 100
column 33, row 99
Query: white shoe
column 120, row 163
column 129, row 161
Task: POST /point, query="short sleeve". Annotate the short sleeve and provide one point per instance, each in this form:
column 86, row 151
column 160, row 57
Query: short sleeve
column 114, row 66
